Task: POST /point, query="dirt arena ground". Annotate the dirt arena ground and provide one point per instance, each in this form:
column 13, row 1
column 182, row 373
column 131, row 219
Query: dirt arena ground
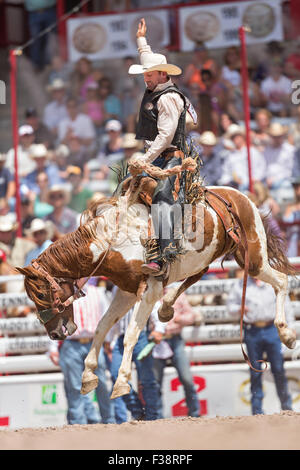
column 270, row 432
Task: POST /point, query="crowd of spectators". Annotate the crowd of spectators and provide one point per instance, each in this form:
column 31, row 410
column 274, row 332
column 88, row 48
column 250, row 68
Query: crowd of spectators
column 69, row 150
column 68, row 153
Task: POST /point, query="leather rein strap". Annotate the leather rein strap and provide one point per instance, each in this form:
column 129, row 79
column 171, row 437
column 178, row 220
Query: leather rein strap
column 239, row 240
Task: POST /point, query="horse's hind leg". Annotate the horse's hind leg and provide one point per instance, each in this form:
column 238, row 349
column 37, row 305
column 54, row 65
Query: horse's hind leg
column 279, row 282
column 260, row 268
column 166, row 310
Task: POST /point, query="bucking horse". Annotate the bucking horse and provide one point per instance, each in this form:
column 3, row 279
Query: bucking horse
column 110, row 241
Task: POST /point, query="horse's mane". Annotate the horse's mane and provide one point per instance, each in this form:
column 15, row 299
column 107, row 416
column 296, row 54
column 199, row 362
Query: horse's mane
column 96, row 206
column 65, row 251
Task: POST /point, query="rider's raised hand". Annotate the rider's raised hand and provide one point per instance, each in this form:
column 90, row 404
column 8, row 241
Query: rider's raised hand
column 142, row 29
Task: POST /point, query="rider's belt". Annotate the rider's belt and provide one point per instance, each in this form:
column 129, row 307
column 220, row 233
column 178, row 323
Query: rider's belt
column 169, row 153
column 82, row 340
column 260, row 324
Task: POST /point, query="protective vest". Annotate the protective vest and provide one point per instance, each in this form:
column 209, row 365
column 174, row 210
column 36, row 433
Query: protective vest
column 147, row 122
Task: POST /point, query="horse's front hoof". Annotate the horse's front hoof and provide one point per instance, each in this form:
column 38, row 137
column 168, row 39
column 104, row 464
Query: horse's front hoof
column 120, row 390
column 288, row 337
column 165, row 313
column 89, row 385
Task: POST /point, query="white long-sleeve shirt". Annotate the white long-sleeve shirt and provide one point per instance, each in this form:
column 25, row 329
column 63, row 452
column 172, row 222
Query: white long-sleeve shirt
column 236, row 166
column 260, row 300
column 170, row 107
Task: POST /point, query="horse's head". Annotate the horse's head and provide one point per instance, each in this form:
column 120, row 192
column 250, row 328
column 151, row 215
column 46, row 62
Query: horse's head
column 49, row 297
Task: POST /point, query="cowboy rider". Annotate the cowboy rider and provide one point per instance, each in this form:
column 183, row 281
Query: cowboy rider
column 161, row 125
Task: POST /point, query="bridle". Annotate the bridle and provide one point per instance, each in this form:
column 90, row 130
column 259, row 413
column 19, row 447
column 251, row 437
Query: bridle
column 59, row 306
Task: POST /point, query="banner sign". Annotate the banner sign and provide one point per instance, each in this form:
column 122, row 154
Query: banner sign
column 225, row 390
column 20, row 326
column 14, row 300
column 218, row 25
column 114, row 36
column 223, row 286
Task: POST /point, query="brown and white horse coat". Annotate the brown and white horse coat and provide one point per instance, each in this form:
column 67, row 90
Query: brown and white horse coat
column 117, row 233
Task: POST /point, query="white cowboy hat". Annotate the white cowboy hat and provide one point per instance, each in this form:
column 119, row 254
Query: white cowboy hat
column 7, row 223
column 113, row 125
column 57, row 84
column 38, row 151
column 25, row 130
column 233, row 130
column 62, row 150
column 129, row 141
column 208, row 138
column 151, row 62
column 39, row 224
column 61, row 188
column 277, row 130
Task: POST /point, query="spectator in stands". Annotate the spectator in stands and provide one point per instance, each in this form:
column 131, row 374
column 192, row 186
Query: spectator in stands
column 16, row 248
column 80, row 194
column 225, row 121
column 71, row 355
column 41, row 14
column 292, row 216
column 272, row 53
column 41, row 206
column 200, row 61
column 296, row 165
column 261, row 336
column 130, row 90
column 7, row 186
column 211, row 169
column 110, row 102
column 82, row 76
column 260, row 134
column 236, row 102
column 149, row 386
column 25, row 163
column 92, row 106
column 40, row 155
column 294, row 129
column 78, row 155
column 276, row 89
column 61, row 155
column 292, row 62
column 170, row 345
column 64, row 219
column 42, row 135
column 235, row 168
column 59, row 70
column 77, row 124
column 26, row 207
column 40, row 232
column 230, row 73
column 212, row 101
column 112, row 150
column 130, row 146
column 279, row 157
column 55, row 111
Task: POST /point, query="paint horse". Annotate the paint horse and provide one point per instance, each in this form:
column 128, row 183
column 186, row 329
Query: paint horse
column 109, row 242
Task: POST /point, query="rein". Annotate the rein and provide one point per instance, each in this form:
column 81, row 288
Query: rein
column 244, row 242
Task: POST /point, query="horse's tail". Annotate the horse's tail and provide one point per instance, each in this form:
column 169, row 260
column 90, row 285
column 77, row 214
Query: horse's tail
column 276, row 250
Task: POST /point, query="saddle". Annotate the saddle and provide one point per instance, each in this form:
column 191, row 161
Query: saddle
column 144, row 188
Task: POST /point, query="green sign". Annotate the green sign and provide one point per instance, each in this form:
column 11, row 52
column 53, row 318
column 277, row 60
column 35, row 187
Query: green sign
column 49, row 394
